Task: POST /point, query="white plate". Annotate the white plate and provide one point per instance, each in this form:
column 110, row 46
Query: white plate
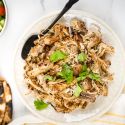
column 102, row 104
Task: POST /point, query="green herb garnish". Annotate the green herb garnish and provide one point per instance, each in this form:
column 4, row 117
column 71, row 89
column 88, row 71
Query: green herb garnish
column 80, row 78
column 57, row 55
column 48, row 78
column 40, row 105
column 83, row 74
column 82, row 57
column 84, row 68
column 94, row 76
column 77, row 91
column 87, row 73
column 66, row 73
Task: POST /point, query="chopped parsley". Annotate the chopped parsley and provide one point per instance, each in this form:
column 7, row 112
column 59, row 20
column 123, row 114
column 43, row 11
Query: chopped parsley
column 66, row 73
column 83, row 74
column 80, row 78
column 82, row 57
column 84, row 68
column 77, row 90
column 57, row 55
column 94, row 76
column 86, row 73
column 48, row 78
column 40, row 105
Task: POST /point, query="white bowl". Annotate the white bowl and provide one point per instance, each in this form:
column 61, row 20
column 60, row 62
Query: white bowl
column 102, row 104
column 6, row 18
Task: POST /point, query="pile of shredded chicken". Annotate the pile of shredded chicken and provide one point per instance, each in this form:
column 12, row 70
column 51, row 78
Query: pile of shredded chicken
column 71, row 41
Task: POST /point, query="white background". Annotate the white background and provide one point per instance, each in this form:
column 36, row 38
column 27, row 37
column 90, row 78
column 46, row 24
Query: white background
column 22, row 13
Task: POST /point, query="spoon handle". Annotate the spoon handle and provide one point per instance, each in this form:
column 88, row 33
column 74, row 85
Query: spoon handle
column 68, row 5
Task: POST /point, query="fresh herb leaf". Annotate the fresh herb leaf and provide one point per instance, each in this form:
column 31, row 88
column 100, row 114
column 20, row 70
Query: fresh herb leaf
column 60, row 74
column 84, row 68
column 48, row 77
column 82, row 57
column 57, row 55
column 66, row 73
column 80, row 78
column 40, row 105
column 87, row 73
column 77, row 91
column 83, row 74
column 94, row 76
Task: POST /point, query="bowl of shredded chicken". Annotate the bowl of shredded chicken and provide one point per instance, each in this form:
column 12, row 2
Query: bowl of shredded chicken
column 73, row 73
column 66, row 67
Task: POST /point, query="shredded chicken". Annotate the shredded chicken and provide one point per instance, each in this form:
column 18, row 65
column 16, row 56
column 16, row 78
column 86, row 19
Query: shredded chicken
column 57, row 90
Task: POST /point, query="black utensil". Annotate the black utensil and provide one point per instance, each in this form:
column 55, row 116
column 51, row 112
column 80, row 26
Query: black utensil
column 30, row 41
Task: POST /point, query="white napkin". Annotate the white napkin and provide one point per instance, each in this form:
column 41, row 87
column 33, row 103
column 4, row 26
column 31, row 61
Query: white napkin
column 115, row 116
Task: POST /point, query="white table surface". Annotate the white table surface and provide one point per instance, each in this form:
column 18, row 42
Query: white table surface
column 22, row 13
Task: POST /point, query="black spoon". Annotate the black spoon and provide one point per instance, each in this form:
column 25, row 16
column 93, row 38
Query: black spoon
column 30, row 41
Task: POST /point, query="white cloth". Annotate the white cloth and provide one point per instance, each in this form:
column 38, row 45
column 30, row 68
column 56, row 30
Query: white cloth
column 21, row 13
